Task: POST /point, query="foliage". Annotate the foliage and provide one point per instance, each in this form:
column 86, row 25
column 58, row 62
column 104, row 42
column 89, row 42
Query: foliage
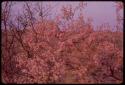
column 42, row 53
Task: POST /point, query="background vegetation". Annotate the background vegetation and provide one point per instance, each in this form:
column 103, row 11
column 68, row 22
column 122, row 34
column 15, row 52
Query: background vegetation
column 37, row 50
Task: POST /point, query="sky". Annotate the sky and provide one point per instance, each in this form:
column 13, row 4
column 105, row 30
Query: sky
column 101, row 12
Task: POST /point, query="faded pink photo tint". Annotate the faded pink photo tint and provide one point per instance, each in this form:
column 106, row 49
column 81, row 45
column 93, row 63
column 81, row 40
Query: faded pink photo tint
column 58, row 42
